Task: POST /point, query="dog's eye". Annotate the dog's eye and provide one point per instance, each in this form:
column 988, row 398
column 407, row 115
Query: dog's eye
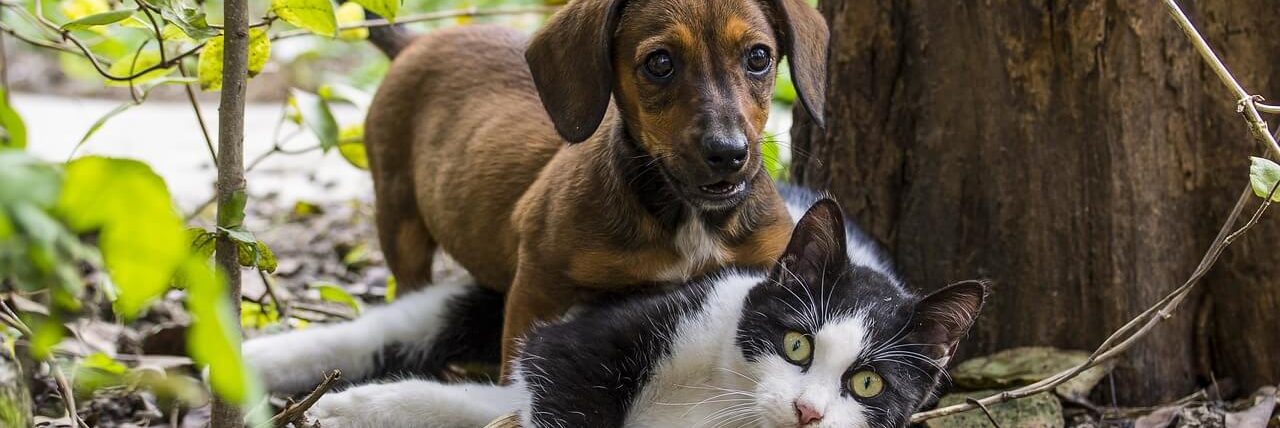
column 759, row 60
column 659, row 65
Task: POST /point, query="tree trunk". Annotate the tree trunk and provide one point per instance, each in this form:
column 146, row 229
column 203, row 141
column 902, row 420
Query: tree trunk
column 1078, row 153
column 231, row 185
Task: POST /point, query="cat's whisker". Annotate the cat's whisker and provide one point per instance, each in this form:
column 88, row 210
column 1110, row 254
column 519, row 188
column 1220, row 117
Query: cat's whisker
column 753, row 380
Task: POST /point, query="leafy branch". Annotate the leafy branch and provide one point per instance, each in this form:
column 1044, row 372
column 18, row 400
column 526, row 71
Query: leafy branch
column 1122, row 339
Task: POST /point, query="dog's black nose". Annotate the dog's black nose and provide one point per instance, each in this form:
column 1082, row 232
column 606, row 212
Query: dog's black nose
column 725, row 155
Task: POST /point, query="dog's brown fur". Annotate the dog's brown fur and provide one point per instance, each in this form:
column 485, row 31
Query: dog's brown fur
column 466, row 158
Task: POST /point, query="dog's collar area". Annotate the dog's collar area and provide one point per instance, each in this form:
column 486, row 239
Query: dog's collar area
column 647, row 180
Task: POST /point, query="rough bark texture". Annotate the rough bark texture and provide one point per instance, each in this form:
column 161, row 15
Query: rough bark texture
column 231, row 185
column 1078, row 153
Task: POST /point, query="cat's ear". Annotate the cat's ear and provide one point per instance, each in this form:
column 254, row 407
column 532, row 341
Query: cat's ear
column 944, row 317
column 817, row 247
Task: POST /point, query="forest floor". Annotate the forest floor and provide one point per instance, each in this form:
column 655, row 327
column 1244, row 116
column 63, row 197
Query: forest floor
column 320, row 245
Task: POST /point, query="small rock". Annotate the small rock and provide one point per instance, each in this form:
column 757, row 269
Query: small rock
column 1022, row 366
column 1037, row 411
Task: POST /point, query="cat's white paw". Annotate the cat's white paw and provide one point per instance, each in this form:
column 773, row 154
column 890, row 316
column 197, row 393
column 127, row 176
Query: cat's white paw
column 353, row 408
column 334, row 411
column 282, row 366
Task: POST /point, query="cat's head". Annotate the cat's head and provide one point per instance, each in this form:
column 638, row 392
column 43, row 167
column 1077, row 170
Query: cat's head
column 834, row 344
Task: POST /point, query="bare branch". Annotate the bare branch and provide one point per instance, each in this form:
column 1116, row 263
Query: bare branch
column 295, row 413
column 1248, row 102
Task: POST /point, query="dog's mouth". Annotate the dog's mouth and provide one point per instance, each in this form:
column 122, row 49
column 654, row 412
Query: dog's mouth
column 722, row 190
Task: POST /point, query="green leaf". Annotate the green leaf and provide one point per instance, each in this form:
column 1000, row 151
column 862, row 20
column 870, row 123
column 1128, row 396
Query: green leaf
column 13, row 132
column 202, row 242
column 1263, row 176
column 140, row 233
column 336, row 294
column 351, row 146
column 103, row 362
column 191, row 20
column 209, row 64
column 256, row 316
column 385, row 8
column 257, row 255
column 232, row 215
column 135, row 63
column 266, row 258
column 317, row 116
column 214, row 336
column 347, row 94
column 351, row 13
column 97, row 124
column 771, row 152
column 76, row 9
column 105, row 18
column 259, row 50
column 46, row 332
column 238, row 234
column 23, row 178
column 784, row 90
column 391, row 289
column 316, row 16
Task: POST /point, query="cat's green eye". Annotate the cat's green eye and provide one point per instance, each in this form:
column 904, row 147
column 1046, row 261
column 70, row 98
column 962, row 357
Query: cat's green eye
column 797, row 347
column 866, row 384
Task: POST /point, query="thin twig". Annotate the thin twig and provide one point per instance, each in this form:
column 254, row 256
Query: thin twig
column 282, row 308
column 68, row 397
column 195, row 107
column 1121, row 340
column 295, row 412
column 985, row 410
column 323, row 311
column 1248, row 102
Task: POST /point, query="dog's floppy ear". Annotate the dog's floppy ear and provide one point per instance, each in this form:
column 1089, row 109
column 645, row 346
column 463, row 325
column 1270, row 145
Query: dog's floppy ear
column 805, row 38
column 572, row 65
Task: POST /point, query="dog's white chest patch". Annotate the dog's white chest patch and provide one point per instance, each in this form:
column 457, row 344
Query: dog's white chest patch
column 697, row 247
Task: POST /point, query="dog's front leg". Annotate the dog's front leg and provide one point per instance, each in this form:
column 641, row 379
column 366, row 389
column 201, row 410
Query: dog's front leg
column 535, row 295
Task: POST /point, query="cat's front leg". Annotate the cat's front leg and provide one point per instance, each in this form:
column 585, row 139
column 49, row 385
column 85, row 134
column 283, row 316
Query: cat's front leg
column 296, row 361
column 416, row 404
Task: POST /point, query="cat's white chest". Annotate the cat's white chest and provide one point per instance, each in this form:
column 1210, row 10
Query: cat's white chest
column 698, row 247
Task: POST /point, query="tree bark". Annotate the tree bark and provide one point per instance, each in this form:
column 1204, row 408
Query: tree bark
column 1078, row 153
column 231, row 184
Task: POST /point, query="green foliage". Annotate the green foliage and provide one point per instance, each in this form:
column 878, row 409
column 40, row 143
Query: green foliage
column 142, row 244
column 336, row 294
column 771, row 153
column 351, row 146
column 784, row 90
column 316, row 16
column 317, row 117
column 351, row 13
column 104, row 18
column 214, row 337
column 137, row 63
column 1263, row 176
column 13, row 132
column 385, row 8
column 189, row 19
column 123, row 200
column 209, row 64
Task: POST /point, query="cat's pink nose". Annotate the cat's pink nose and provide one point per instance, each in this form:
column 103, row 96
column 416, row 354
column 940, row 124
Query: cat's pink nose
column 806, row 413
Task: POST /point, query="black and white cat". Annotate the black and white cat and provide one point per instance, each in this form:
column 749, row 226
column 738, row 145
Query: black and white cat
column 828, row 338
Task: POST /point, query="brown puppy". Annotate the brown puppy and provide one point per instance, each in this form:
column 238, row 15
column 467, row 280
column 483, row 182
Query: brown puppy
column 467, row 137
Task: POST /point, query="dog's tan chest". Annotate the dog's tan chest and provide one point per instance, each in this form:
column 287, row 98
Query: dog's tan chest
column 699, row 249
